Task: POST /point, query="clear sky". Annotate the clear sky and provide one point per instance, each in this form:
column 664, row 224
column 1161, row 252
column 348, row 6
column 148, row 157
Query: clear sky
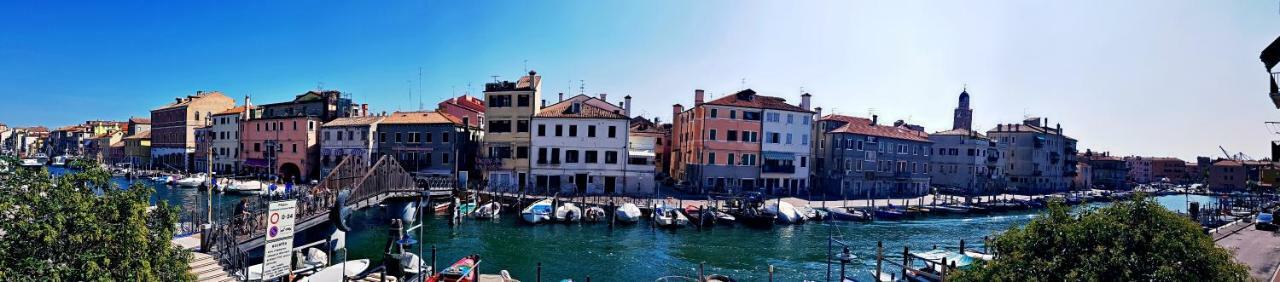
column 1165, row 78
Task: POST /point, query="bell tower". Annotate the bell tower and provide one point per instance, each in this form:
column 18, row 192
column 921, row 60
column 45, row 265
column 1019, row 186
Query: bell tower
column 963, row 118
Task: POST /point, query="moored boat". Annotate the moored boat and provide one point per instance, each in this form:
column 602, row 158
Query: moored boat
column 785, row 211
column 699, row 216
column 848, row 214
column 593, row 214
column 459, row 271
column 668, row 216
column 489, row 210
column 568, row 212
column 537, row 212
column 627, row 213
column 890, row 213
column 336, row 272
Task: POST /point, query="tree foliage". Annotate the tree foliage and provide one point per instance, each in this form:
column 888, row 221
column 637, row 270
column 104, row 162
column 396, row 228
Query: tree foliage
column 1133, row 240
column 81, row 227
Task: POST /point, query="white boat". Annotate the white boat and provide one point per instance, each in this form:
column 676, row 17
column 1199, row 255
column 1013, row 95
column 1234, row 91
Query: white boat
column 192, row 181
column 628, row 213
column 60, row 161
column 568, row 212
column 785, row 211
column 31, row 163
column 242, row 187
column 335, row 272
column 537, row 212
column 593, row 214
column 488, row 211
column 668, row 216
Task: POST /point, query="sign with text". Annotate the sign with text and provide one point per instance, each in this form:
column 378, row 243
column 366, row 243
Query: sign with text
column 278, row 260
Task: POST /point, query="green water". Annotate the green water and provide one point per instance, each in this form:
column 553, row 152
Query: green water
column 640, row 253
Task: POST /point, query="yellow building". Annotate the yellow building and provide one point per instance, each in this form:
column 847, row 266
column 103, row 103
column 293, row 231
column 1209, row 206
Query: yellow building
column 509, row 108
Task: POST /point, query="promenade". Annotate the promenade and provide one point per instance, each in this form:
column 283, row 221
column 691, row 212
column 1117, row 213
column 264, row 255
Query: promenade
column 1260, row 250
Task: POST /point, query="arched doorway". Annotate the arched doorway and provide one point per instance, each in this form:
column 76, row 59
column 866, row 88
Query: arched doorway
column 290, row 172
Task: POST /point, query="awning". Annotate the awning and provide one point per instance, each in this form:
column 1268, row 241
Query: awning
column 778, row 156
column 256, row 162
column 641, row 153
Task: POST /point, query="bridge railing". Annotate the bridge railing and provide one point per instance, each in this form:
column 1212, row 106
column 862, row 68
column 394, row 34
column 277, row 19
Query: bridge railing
column 386, row 176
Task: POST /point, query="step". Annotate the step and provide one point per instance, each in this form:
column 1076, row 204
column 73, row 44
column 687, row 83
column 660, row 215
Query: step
column 207, row 269
column 217, row 276
column 196, row 264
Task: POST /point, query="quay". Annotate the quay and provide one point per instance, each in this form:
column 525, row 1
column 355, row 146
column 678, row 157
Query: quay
column 1258, row 249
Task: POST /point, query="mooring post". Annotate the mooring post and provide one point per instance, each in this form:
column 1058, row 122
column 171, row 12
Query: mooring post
column 539, row 273
column 701, row 273
column 844, row 259
column 433, row 258
column 906, row 260
column 879, row 258
column 770, row 273
column 962, row 246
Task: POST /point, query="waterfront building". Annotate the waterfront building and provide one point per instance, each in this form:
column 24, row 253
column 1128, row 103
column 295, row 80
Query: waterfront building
column 427, row 144
column 1194, row 173
column 100, row 146
column 644, row 154
column 785, row 148
column 642, row 133
column 351, row 137
column 204, row 140
column 1106, row 172
column 136, row 125
column 861, row 158
column 173, row 128
column 30, row 141
column 1039, row 159
column 469, row 109
column 1173, row 170
column 509, row 108
column 964, row 161
column 1227, row 176
column 581, row 147
column 137, row 149
column 1140, row 170
column 68, row 141
column 6, row 134
column 282, row 139
column 224, row 130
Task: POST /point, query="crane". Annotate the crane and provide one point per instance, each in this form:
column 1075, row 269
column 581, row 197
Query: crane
column 1237, row 157
column 1224, row 152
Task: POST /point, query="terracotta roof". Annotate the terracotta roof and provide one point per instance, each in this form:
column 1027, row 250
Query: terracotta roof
column 585, row 110
column 421, row 118
column 140, row 135
column 844, row 118
column 236, row 110
column 183, row 101
column 894, row 132
column 140, row 120
column 71, row 128
column 1228, row 163
column 749, row 99
column 961, row 131
column 1022, row 127
column 466, row 102
column 349, row 121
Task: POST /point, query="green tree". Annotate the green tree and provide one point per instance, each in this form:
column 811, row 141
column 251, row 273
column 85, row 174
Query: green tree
column 81, row 227
column 1134, row 240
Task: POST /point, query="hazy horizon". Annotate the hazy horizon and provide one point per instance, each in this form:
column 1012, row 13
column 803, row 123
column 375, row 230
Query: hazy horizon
column 1151, row 78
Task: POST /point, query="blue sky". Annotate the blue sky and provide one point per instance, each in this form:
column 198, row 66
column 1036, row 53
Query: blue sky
column 1166, row 78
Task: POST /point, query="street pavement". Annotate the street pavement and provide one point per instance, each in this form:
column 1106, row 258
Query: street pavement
column 1260, row 250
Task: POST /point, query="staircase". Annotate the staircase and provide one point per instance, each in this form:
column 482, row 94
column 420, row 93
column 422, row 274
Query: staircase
column 206, row 268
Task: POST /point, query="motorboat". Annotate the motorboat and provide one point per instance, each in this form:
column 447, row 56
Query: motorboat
column 192, row 181
column 786, row 212
column 459, row 271
column 594, row 214
column 627, row 213
column 489, row 210
column 668, row 216
column 32, row 163
column 890, row 213
column 809, row 213
column 336, row 272
column 699, row 216
column 753, row 213
column 948, row 209
column 537, row 212
column 722, row 217
column 568, row 212
column 242, row 187
column 848, row 214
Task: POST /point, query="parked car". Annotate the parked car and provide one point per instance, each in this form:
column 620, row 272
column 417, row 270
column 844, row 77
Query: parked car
column 1265, row 221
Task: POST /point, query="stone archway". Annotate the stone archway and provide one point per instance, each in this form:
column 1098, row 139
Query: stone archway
column 290, row 172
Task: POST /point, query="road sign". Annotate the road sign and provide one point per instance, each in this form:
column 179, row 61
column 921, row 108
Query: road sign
column 278, row 260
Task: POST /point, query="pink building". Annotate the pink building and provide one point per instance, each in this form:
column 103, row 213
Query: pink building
column 716, row 144
column 295, row 142
column 469, row 109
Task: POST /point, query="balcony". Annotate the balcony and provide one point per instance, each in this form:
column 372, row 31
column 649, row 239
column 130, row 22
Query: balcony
column 768, row 168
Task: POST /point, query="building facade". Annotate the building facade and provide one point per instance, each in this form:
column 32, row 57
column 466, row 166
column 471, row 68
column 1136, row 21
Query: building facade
column 863, row 159
column 1039, row 159
column 225, row 140
column 282, row 139
column 1139, row 169
column 1227, row 176
column 349, row 137
column 581, row 148
column 1105, row 171
column 469, row 109
column 427, row 144
column 137, row 149
column 786, row 150
column 964, row 161
column 509, row 108
column 717, row 146
column 1172, row 170
column 173, row 128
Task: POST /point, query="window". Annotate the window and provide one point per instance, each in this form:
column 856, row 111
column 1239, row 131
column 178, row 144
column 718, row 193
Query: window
column 571, row 156
column 591, row 131
column 573, row 130
column 751, row 115
column 522, row 152
column 444, row 137
column 711, row 157
column 428, row 139
column 592, row 157
column 559, row 130
column 773, row 138
column 522, row 100
column 733, row 114
column 788, row 138
column 714, row 113
column 444, row 158
column 295, row 147
column 326, row 136
column 804, row 161
column 542, row 155
column 613, row 131
column 730, row 161
column 257, row 147
column 542, row 130
column 711, row 135
column 500, row 126
column 555, row 155
column 522, row 126
column 611, row 157
column 731, row 135
column 791, row 118
column 804, row 139
column 499, row 101
column 398, row 139
column 382, row 137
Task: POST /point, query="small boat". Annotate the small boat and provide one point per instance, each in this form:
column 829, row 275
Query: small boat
column 192, row 181
column 808, row 213
column 946, row 209
column 490, row 210
column 60, row 161
column 537, row 212
column 786, row 212
column 594, row 214
column 568, row 212
column 242, row 187
column 723, row 217
column 458, row 272
column 699, row 217
column 668, row 216
column 337, row 272
column 848, row 214
column 627, row 213
column 31, row 163
column 890, row 213
column 442, row 208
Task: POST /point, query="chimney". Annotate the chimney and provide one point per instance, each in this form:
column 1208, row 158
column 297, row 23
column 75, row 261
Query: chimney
column 1059, row 128
column 697, row 97
column 561, row 97
column 364, row 110
column 675, row 110
column 177, row 100
column 804, row 101
column 874, row 119
column 544, row 104
column 818, row 115
column 999, row 127
column 604, row 97
column 627, row 100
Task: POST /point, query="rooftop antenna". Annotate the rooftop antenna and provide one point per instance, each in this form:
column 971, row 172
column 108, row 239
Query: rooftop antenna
column 582, row 87
column 495, row 78
column 420, row 91
column 744, row 83
column 526, row 66
column 1025, row 114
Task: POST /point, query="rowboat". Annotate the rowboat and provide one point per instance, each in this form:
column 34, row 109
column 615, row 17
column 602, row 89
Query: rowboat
column 458, row 272
column 490, row 210
column 537, row 212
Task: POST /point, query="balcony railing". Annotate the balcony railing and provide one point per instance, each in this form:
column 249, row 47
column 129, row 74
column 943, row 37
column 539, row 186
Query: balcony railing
column 778, row 168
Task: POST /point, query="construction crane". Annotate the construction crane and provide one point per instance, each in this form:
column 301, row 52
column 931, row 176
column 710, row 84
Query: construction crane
column 1224, row 152
column 1237, row 157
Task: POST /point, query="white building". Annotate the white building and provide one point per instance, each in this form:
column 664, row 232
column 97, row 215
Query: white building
column 1039, row 159
column 226, row 140
column 580, row 147
column 642, row 153
column 786, row 147
column 967, row 162
column 347, row 137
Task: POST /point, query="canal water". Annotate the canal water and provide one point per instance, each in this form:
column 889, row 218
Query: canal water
column 641, row 253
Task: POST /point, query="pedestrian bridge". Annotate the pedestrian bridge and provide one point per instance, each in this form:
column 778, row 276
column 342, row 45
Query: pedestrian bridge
column 367, row 186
